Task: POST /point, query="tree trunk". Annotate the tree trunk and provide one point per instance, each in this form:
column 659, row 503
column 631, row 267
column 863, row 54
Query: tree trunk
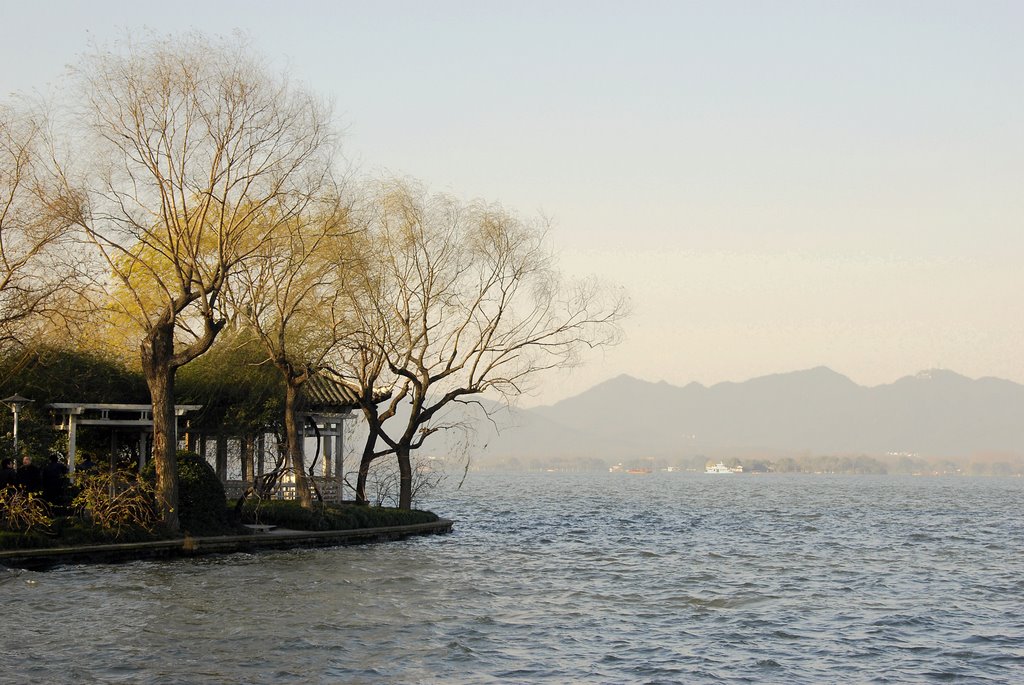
column 295, row 457
column 405, row 476
column 157, row 351
column 364, row 467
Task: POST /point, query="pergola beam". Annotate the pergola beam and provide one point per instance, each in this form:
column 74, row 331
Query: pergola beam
column 74, row 414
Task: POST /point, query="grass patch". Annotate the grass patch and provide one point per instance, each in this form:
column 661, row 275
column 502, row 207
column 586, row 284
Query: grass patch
column 72, row 531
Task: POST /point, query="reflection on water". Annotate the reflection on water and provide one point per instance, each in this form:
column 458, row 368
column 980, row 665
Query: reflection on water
column 601, row 578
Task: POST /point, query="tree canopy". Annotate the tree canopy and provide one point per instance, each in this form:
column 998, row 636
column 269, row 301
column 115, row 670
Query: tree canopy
column 199, row 190
column 197, row 155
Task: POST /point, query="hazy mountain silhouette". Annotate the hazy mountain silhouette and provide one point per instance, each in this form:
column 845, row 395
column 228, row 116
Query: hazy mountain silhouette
column 934, row 414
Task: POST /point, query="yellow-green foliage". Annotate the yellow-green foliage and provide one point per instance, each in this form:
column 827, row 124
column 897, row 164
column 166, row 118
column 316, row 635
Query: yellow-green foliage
column 118, row 502
column 21, row 512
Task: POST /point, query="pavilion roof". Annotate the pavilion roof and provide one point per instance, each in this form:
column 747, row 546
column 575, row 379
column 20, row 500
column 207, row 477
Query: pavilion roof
column 326, row 392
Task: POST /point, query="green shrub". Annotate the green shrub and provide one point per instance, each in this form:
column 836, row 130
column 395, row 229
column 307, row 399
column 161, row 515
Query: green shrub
column 289, row 514
column 202, row 504
column 21, row 512
column 117, row 502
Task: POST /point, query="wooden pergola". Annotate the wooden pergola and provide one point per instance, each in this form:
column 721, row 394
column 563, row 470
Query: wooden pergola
column 72, row 415
column 325, row 404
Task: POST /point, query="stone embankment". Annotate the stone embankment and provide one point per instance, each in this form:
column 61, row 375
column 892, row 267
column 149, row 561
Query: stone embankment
column 264, row 537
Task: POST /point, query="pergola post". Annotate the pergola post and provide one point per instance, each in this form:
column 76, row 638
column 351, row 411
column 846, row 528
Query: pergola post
column 339, row 460
column 142, row 450
column 260, row 449
column 325, row 441
column 113, row 417
column 247, row 446
column 72, row 441
column 221, row 459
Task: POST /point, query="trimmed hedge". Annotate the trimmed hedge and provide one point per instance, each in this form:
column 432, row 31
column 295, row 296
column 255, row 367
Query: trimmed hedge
column 289, row 514
column 202, row 504
column 203, row 510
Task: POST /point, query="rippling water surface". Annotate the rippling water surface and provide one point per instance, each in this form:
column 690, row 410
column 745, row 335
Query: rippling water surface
column 591, row 578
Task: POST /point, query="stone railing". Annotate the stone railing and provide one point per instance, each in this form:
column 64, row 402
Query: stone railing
column 330, row 489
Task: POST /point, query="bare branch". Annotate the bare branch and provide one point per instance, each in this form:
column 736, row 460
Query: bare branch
column 455, row 301
column 198, row 155
column 38, row 265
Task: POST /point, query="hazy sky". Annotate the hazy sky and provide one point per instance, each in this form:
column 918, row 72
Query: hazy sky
column 779, row 185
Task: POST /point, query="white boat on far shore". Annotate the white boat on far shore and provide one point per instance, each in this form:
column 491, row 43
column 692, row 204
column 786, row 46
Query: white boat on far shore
column 722, row 468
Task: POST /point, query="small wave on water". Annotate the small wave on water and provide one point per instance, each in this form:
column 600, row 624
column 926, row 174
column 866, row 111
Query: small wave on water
column 588, row 578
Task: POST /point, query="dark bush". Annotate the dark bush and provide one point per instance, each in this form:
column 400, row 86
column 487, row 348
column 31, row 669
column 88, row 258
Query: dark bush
column 289, row 514
column 202, row 504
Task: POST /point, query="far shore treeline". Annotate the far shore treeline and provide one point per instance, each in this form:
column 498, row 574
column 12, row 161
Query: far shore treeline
column 177, row 227
column 820, row 464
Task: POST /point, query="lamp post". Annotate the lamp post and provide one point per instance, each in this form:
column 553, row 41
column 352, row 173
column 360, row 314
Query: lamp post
column 15, row 402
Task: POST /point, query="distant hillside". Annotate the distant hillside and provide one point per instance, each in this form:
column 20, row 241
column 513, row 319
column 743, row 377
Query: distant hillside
column 934, row 414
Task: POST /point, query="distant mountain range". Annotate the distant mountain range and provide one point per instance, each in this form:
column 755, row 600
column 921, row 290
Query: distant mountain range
column 934, row 414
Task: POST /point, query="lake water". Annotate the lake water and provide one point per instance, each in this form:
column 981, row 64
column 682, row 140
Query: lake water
column 563, row 578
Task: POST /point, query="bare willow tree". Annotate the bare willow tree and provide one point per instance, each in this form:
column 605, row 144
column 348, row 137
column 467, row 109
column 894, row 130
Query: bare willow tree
column 361, row 355
column 197, row 154
column 36, row 265
column 456, row 301
column 290, row 295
